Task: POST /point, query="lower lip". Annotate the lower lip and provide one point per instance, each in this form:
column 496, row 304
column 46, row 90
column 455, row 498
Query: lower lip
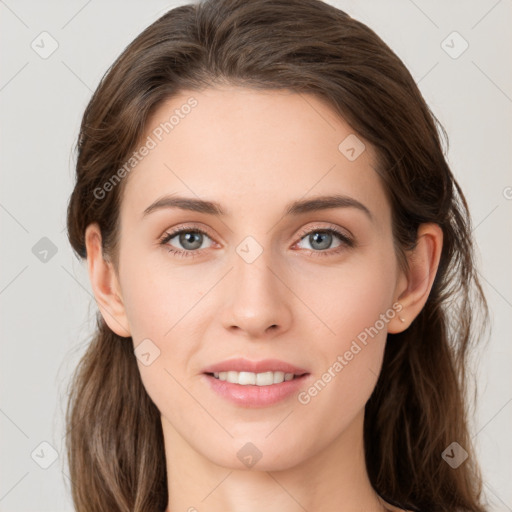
column 255, row 396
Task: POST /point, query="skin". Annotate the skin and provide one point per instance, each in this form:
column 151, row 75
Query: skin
column 254, row 152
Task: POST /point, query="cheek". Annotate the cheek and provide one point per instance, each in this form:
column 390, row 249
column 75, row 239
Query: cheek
column 162, row 308
column 355, row 306
column 158, row 302
column 350, row 297
column 162, row 318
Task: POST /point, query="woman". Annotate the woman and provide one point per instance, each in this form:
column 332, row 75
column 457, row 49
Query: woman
column 283, row 265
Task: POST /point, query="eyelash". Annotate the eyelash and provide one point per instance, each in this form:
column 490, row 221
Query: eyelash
column 346, row 241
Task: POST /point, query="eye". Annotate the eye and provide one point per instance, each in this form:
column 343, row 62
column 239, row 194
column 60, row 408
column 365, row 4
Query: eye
column 191, row 239
column 321, row 239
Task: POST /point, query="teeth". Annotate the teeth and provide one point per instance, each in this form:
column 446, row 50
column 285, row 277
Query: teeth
column 258, row 379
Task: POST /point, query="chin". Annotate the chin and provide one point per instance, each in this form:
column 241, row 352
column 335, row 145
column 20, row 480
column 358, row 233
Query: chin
column 254, row 453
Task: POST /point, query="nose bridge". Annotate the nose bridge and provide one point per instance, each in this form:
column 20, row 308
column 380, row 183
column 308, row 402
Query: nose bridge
column 257, row 300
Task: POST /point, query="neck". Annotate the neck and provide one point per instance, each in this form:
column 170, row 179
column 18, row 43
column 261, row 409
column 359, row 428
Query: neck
column 334, row 479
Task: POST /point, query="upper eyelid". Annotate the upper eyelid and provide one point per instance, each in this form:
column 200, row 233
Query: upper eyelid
column 329, row 227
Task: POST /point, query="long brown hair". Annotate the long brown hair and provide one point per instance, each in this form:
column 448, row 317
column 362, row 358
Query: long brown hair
column 419, row 406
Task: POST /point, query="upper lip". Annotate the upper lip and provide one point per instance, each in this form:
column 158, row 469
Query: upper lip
column 245, row 365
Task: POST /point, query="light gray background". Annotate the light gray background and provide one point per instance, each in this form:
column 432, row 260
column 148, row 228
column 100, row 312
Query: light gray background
column 47, row 307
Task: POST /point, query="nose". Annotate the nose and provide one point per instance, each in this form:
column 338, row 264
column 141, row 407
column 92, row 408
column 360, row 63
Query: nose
column 258, row 299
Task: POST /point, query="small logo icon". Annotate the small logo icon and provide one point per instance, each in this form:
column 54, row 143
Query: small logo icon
column 44, row 250
column 249, row 454
column 44, row 45
column 351, row 147
column 249, row 249
column 454, row 455
column 454, row 45
column 44, row 455
column 146, row 352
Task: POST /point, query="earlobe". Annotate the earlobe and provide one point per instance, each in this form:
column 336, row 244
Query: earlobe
column 413, row 290
column 104, row 283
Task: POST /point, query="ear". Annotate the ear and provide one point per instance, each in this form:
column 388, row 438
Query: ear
column 104, row 283
column 414, row 287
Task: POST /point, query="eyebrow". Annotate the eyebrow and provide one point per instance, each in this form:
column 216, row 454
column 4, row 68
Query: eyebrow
column 294, row 208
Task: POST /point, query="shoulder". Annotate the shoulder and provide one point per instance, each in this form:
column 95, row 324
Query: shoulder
column 391, row 508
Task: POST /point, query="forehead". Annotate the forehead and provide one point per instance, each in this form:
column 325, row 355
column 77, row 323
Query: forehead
column 251, row 149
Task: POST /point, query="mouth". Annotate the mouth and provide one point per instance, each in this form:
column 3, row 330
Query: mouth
column 255, row 383
column 255, row 379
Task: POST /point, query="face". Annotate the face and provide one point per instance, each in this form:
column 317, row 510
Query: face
column 313, row 287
